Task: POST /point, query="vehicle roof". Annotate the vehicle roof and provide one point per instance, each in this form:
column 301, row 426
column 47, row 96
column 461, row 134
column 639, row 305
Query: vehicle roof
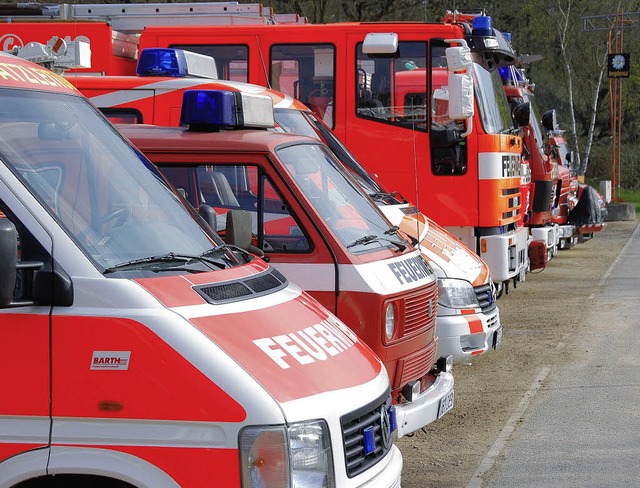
column 155, row 139
column 347, row 27
column 19, row 73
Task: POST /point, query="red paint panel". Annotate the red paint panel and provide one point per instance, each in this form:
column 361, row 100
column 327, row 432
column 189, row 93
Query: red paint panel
column 287, row 358
column 189, row 467
column 475, row 324
column 158, row 384
column 24, row 362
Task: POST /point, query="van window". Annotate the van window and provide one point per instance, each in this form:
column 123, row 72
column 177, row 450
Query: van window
column 306, row 72
column 392, row 89
column 242, row 187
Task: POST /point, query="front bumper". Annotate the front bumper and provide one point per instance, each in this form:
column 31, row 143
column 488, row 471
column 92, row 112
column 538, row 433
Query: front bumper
column 411, row 416
column 466, row 336
column 389, row 476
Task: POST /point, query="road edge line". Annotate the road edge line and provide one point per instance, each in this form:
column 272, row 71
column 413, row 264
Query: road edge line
column 620, row 255
column 490, row 458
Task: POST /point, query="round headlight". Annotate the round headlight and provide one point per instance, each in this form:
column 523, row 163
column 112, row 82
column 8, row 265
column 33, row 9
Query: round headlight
column 390, row 321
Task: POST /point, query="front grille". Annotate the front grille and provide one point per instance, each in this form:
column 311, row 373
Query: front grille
column 486, row 297
column 420, row 310
column 414, row 366
column 353, row 425
column 266, row 282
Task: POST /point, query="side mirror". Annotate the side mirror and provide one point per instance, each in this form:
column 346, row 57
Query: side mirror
column 549, row 120
column 8, row 261
column 209, row 215
column 522, row 114
column 238, row 231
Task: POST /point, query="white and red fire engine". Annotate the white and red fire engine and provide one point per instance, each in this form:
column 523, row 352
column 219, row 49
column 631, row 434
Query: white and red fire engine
column 141, row 351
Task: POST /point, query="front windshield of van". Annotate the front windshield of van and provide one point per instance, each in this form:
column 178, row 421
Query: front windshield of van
column 92, row 182
column 492, row 101
column 351, row 216
column 306, row 123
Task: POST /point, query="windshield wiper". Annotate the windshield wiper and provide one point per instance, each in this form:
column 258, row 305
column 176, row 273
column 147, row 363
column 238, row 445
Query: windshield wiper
column 368, row 239
column 163, row 258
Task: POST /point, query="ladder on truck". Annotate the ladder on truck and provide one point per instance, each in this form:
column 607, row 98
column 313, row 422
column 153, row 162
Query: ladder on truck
column 133, row 18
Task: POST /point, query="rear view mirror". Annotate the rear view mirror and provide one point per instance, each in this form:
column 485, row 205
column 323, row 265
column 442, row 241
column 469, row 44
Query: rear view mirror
column 522, row 114
column 8, row 261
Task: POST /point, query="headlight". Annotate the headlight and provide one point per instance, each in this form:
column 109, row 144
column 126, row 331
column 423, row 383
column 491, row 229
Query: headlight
column 390, row 321
column 294, row 456
column 456, row 294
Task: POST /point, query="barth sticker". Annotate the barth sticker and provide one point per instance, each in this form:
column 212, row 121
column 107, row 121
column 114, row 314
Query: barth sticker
column 110, row 360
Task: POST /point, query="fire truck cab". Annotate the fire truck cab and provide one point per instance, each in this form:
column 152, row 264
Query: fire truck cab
column 140, row 349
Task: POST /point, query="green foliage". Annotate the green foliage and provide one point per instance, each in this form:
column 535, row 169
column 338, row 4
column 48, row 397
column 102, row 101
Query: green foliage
column 631, row 196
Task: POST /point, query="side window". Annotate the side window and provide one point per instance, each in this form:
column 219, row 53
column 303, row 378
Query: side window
column 223, row 188
column 306, row 72
column 122, row 115
column 232, row 61
column 393, row 89
column 448, row 148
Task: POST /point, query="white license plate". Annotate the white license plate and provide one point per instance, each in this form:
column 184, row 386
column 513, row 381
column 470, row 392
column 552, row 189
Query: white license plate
column 497, row 338
column 446, row 404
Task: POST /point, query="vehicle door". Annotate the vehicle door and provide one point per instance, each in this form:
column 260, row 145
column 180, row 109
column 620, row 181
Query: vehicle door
column 281, row 227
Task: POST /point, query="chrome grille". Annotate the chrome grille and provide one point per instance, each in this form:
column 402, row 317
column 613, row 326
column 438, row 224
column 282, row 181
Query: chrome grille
column 353, row 425
column 486, row 297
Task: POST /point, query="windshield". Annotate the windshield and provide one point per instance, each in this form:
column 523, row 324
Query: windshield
column 563, row 153
column 535, row 119
column 352, row 217
column 92, row 182
column 306, row 123
column 492, row 101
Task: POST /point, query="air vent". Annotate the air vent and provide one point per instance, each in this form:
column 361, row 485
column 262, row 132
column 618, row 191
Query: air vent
column 265, row 283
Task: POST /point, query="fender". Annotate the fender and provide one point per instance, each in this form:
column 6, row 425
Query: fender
column 74, row 460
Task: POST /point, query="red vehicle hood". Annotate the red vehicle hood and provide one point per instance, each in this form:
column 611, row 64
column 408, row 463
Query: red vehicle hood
column 285, row 340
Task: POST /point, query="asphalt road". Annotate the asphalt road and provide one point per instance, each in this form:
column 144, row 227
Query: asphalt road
column 557, row 404
column 584, row 429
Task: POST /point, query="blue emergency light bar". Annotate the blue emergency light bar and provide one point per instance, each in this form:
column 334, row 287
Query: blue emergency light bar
column 175, row 62
column 481, row 26
column 226, row 109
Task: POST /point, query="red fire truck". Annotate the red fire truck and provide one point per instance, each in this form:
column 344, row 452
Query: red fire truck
column 581, row 209
column 141, row 350
column 467, row 178
column 555, row 190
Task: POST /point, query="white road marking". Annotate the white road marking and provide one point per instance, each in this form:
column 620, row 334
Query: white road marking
column 619, row 257
column 489, row 459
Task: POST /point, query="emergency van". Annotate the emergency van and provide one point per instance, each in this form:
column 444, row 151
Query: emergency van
column 467, row 321
column 369, row 82
column 312, row 222
column 140, row 350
